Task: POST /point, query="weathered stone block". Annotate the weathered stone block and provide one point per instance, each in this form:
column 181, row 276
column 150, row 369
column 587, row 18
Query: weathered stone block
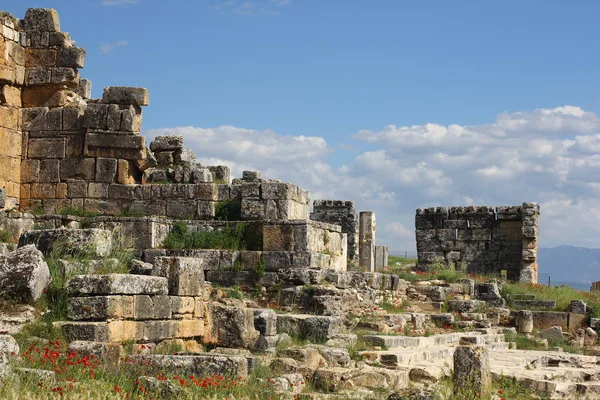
column 94, row 241
column 100, row 308
column 312, row 327
column 185, row 274
column 126, row 95
column 167, row 143
column 471, row 370
column 41, row 20
column 233, row 326
column 106, row 170
column 73, row 57
column 46, row 148
column 112, row 284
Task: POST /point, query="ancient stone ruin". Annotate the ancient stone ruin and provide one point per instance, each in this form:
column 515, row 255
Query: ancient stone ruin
column 484, row 240
column 139, row 257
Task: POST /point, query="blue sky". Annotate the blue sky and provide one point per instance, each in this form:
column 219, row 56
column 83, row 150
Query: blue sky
column 309, row 87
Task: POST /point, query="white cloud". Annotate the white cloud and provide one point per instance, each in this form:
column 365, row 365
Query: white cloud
column 108, row 47
column 119, row 2
column 546, row 155
column 251, row 8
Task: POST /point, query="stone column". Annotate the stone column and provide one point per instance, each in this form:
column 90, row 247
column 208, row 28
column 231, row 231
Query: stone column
column 381, row 257
column 471, row 371
column 530, row 232
column 525, row 321
column 366, row 239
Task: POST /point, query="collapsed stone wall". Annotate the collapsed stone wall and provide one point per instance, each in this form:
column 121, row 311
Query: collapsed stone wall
column 61, row 149
column 485, row 239
column 342, row 213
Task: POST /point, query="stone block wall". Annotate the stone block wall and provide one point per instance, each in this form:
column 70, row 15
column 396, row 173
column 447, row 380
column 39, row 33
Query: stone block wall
column 61, row 149
column 342, row 213
column 12, row 79
column 486, row 240
column 172, row 304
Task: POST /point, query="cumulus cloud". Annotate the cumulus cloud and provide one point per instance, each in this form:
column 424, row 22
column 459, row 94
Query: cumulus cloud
column 546, row 155
column 108, row 47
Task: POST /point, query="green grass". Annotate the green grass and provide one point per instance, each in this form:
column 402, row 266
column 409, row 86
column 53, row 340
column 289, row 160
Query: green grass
column 56, row 298
column 561, row 294
column 228, row 210
column 77, row 212
column 5, row 237
column 392, row 260
column 238, row 236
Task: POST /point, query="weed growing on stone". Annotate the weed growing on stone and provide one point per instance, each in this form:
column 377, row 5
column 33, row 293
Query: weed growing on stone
column 228, row 210
column 229, row 237
column 4, row 236
column 77, row 212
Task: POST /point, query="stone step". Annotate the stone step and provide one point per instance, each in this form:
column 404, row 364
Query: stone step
column 534, row 304
column 395, row 341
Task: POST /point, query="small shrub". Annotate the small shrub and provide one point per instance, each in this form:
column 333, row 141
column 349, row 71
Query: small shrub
column 229, row 237
column 260, row 268
column 228, row 210
column 234, row 292
column 77, row 212
column 4, row 236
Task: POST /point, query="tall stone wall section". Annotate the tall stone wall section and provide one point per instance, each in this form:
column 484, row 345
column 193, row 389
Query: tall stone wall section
column 484, row 239
column 342, row 213
column 59, row 149
column 12, row 79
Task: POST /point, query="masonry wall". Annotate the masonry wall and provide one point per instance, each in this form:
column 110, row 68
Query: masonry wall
column 342, row 213
column 59, row 149
column 12, row 76
column 485, row 240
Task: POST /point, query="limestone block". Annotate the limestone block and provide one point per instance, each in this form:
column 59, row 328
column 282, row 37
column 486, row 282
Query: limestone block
column 233, row 326
column 10, row 95
column 554, row 333
column 95, row 116
column 265, row 321
column 578, row 307
column 278, row 238
column 37, row 76
column 251, row 176
column 126, row 95
column 182, row 305
column 471, row 370
column 41, row 20
column 30, row 171
column 312, row 327
column 185, row 274
column 98, row 190
column 73, row 57
column 85, row 331
column 188, row 328
column 77, row 189
column 167, row 143
column 131, row 119
column 159, row 330
column 123, row 331
column 276, row 260
column 95, row 241
column 49, row 171
column 125, row 172
column 46, row 148
column 64, row 76
column 100, row 308
column 201, row 175
column 106, row 170
column 221, row 173
column 197, row 364
column 24, row 275
column 253, row 209
column 77, row 169
column 114, row 146
column 85, row 88
column 182, row 209
column 112, row 284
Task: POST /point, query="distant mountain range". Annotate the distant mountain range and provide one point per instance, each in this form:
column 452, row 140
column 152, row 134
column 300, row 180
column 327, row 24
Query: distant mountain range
column 569, row 264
